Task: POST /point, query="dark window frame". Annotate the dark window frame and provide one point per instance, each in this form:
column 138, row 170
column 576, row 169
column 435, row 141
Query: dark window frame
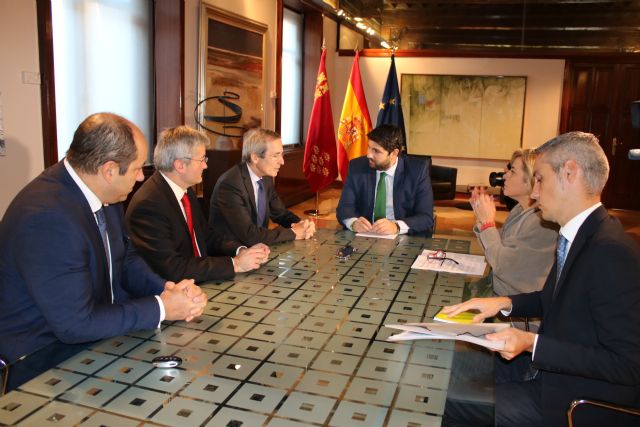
column 168, row 71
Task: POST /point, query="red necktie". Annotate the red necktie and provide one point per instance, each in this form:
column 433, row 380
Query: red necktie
column 187, row 211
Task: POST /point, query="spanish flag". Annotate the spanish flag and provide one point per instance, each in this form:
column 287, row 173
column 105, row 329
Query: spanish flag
column 355, row 122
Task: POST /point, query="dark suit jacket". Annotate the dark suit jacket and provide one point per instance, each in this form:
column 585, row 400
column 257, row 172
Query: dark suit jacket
column 233, row 210
column 160, row 234
column 412, row 193
column 54, row 280
column 589, row 342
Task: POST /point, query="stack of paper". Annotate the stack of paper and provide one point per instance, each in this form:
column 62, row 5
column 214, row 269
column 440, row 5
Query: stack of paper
column 473, row 333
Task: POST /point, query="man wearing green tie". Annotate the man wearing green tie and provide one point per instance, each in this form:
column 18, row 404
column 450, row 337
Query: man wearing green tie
column 386, row 192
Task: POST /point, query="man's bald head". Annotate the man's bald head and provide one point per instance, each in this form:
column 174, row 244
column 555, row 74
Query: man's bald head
column 100, row 138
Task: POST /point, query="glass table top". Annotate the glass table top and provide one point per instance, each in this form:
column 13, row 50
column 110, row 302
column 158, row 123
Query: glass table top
column 299, row 342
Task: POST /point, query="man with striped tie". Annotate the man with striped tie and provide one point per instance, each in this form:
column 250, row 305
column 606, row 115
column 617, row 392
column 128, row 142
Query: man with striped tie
column 588, row 344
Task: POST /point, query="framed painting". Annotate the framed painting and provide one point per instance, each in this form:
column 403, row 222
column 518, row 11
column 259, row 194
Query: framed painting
column 463, row 116
column 231, row 83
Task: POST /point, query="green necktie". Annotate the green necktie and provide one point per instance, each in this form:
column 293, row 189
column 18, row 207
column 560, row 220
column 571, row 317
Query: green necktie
column 380, row 208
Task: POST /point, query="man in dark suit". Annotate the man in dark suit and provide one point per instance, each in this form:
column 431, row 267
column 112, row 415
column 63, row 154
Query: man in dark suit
column 244, row 197
column 386, row 193
column 588, row 345
column 166, row 224
column 68, row 274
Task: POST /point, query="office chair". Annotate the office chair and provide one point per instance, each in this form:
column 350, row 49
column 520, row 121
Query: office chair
column 599, row 404
column 443, row 178
column 4, row 376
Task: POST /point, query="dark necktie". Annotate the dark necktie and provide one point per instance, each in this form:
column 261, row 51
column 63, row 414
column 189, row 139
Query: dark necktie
column 261, row 204
column 102, row 226
column 380, row 208
column 186, row 203
column 561, row 254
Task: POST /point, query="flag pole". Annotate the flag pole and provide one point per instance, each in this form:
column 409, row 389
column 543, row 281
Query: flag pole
column 320, row 166
column 316, row 211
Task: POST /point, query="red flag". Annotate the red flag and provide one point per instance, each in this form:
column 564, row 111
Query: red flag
column 355, row 122
column 320, row 159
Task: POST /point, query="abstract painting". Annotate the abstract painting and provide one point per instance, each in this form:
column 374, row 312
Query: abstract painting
column 232, row 93
column 463, row 116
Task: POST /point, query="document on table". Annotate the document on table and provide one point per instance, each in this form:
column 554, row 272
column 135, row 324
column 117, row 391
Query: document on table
column 377, row 236
column 473, row 333
column 467, row 264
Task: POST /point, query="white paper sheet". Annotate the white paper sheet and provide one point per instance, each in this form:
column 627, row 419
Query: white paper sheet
column 473, row 333
column 473, row 265
column 377, row 236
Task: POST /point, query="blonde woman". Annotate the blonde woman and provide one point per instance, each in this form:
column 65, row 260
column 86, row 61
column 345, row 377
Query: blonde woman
column 522, row 252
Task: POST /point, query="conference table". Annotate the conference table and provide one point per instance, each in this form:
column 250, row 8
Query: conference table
column 299, row 342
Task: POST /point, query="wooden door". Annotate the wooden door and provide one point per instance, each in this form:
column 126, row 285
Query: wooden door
column 623, row 188
column 598, row 97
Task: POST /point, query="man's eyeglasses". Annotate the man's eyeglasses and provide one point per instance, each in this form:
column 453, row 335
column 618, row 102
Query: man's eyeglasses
column 205, row 159
column 440, row 256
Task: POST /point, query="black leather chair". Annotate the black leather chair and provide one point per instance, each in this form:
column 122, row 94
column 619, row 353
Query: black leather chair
column 443, row 179
column 219, row 162
column 4, row 376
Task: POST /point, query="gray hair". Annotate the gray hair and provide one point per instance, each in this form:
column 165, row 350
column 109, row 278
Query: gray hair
column 585, row 150
column 100, row 138
column 176, row 143
column 254, row 141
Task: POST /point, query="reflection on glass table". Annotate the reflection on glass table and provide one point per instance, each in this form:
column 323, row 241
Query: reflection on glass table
column 299, row 342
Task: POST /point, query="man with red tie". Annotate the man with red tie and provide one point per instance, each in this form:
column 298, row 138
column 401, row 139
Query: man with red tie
column 165, row 222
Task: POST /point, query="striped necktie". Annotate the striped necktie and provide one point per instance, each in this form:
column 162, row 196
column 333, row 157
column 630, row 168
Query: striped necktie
column 561, row 254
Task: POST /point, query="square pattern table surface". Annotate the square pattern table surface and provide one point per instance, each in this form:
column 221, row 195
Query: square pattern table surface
column 299, row 342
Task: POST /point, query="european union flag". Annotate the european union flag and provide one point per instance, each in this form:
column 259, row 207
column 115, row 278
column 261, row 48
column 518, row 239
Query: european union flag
column 390, row 111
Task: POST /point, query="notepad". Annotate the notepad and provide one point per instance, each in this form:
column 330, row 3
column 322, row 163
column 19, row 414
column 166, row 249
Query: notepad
column 466, row 317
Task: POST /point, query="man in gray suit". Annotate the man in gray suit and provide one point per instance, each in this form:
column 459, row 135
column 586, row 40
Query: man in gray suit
column 244, row 198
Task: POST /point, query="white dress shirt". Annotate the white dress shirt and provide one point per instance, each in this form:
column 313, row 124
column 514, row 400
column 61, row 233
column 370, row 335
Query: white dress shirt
column 569, row 231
